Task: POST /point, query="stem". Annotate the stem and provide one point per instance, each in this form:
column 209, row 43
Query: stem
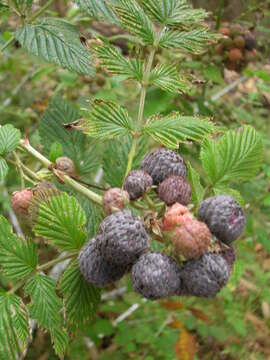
column 43, row 267
column 139, row 122
column 31, row 19
column 67, row 179
column 19, row 165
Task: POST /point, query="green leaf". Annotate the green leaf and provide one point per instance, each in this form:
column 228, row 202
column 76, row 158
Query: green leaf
column 214, row 74
column 107, row 120
column 3, row 169
column 167, row 78
column 61, row 221
column 232, row 192
column 45, row 305
column 56, row 151
column 133, row 19
column 99, row 9
column 80, row 298
column 18, row 258
column 173, row 129
column 115, row 159
column 75, row 144
column 14, row 330
column 193, row 41
column 9, row 138
column 116, row 63
column 236, row 157
column 173, row 12
column 56, row 41
column 60, row 340
column 195, row 183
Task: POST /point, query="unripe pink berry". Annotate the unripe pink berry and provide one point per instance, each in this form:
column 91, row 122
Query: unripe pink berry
column 176, row 215
column 20, row 201
column 114, row 198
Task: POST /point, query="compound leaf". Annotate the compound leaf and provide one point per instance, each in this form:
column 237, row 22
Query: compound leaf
column 56, row 41
column 18, row 258
column 175, row 128
column 80, row 298
column 107, row 120
column 236, row 157
column 9, row 138
column 61, row 220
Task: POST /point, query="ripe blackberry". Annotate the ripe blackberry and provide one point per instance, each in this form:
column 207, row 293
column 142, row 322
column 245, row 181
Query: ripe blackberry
column 224, row 217
column 95, row 269
column 137, row 183
column 229, row 255
column 114, row 198
column 250, row 40
column 163, row 163
column 156, row 276
column 191, row 240
column 204, row 277
column 175, row 189
column 124, row 238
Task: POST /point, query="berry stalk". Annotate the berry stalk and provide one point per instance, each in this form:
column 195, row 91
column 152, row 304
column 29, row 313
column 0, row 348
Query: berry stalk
column 67, row 179
column 144, row 84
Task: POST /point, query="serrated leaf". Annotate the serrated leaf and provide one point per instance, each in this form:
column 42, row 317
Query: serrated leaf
column 56, row 41
column 60, row 340
column 94, row 215
column 173, row 12
column 9, row 138
column 60, row 221
column 193, row 41
column 133, row 19
column 3, row 169
column 18, row 258
column 99, row 9
column 173, row 129
column 115, row 159
column 75, row 144
column 14, row 329
column 107, row 120
column 116, row 63
column 167, row 78
column 45, row 305
column 195, row 183
column 236, row 157
column 232, row 192
column 80, row 298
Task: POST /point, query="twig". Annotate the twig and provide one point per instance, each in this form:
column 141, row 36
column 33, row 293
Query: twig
column 126, row 314
column 114, row 293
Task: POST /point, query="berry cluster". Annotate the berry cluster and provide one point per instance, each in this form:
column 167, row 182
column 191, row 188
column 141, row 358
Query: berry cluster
column 237, row 48
column 198, row 256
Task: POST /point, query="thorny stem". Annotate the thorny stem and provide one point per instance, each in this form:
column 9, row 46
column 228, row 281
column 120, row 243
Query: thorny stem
column 32, row 18
column 67, row 179
column 43, row 267
column 144, row 85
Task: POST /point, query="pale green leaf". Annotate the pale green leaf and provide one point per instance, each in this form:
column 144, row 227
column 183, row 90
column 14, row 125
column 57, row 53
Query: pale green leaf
column 173, row 12
column 56, row 41
column 116, row 63
column 80, row 298
column 107, row 120
column 236, row 157
column 167, row 78
column 175, row 128
column 56, row 151
column 99, row 9
column 3, row 169
column 18, row 258
column 75, row 144
column 193, row 41
column 134, row 20
column 9, row 138
column 195, row 183
column 14, row 328
column 45, row 306
column 60, row 221
column 60, row 340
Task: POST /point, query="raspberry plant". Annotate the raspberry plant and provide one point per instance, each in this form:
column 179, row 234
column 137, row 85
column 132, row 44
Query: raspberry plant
column 76, row 144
